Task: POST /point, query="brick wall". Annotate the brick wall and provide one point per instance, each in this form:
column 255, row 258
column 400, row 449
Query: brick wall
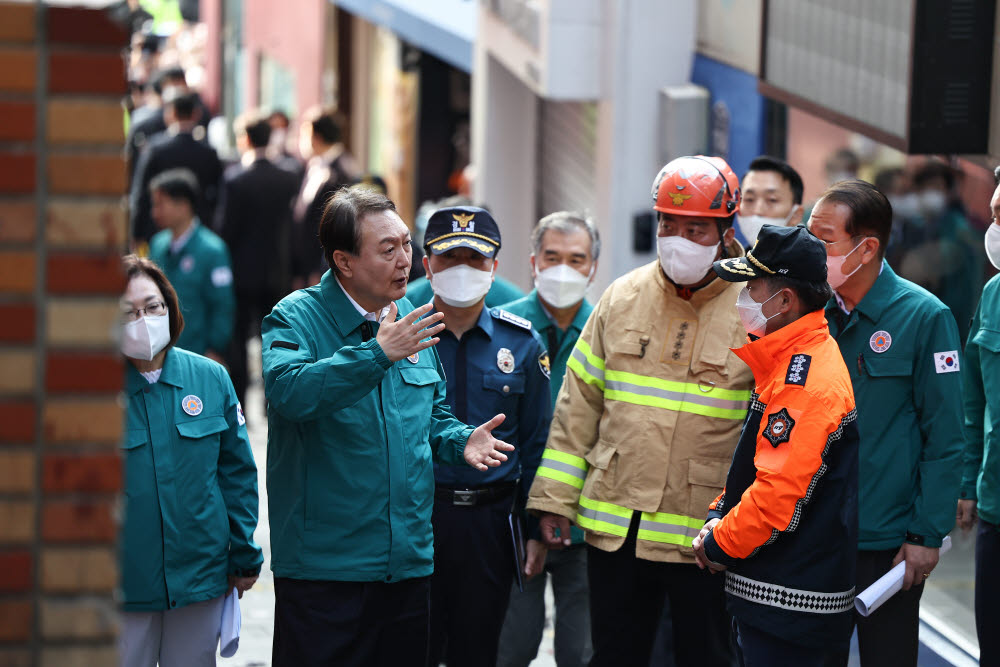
column 62, row 232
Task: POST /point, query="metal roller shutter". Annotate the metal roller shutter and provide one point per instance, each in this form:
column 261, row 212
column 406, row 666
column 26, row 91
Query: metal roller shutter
column 567, row 145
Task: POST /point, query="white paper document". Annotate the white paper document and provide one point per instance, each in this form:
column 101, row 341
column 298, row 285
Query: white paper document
column 229, row 630
column 888, row 585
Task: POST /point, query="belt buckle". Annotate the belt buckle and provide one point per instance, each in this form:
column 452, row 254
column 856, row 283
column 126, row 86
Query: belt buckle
column 465, row 498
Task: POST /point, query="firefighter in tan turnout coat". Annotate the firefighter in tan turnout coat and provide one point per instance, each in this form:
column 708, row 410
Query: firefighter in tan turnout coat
column 645, row 426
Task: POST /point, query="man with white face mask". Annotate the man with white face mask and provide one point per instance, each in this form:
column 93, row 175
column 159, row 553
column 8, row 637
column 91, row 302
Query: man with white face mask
column 494, row 362
column 787, row 519
column 901, row 347
column 772, row 195
column 979, row 496
column 566, row 247
column 645, row 426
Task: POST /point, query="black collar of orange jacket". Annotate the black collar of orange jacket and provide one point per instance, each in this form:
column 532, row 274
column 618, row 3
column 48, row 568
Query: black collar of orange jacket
column 769, row 352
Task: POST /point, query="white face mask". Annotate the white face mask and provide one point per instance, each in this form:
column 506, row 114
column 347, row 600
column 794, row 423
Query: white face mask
column 562, row 286
column 992, row 242
column 835, row 268
column 461, row 286
column 685, row 262
column 750, row 225
column 752, row 313
column 933, row 202
column 146, row 337
column 905, row 206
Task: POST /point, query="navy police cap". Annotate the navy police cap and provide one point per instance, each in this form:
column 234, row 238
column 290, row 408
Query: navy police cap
column 462, row 227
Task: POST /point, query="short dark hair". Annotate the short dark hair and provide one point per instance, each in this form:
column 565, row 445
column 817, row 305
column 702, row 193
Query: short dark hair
column 254, row 124
column 783, row 169
column 169, row 74
column 177, row 184
column 133, row 266
column 339, row 228
column 813, row 295
column 933, row 170
column 279, row 114
column 182, row 104
column 326, row 124
column 871, row 212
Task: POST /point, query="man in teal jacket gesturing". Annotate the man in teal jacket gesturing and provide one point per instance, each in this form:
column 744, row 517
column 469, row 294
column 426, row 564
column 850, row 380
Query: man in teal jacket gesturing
column 356, row 413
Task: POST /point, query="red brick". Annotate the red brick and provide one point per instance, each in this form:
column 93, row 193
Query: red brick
column 18, row 219
column 17, row 24
column 95, row 473
column 84, row 274
column 16, row 618
column 17, row 421
column 86, row 174
column 83, row 372
column 17, row 172
column 18, row 121
column 78, row 25
column 78, row 522
column 17, row 323
column 15, row 572
column 84, row 72
column 17, row 69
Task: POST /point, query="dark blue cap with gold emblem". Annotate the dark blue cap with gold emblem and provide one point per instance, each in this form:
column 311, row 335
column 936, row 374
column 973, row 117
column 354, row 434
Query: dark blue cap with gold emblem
column 791, row 252
column 462, row 227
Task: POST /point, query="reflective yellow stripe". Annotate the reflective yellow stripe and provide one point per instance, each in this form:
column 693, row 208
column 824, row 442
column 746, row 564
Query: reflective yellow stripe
column 680, row 396
column 660, row 527
column 570, row 459
column 559, row 476
column 603, row 517
column 586, row 365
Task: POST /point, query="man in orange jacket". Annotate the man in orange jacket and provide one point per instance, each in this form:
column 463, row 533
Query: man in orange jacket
column 785, row 527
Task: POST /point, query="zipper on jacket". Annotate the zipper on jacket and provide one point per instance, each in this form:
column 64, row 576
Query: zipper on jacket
column 367, row 333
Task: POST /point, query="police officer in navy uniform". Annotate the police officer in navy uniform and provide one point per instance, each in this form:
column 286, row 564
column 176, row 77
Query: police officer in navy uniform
column 494, row 363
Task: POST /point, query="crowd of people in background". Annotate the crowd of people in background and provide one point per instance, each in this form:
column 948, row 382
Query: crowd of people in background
column 607, row 447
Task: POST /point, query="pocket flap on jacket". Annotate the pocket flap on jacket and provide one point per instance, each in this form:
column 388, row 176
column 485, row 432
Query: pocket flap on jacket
column 513, row 382
column 988, row 340
column 600, row 455
column 135, row 437
column 706, row 472
column 419, row 377
column 199, row 428
column 878, row 366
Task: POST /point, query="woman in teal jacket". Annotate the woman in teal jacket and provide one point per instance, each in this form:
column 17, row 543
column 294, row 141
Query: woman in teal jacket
column 190, row 486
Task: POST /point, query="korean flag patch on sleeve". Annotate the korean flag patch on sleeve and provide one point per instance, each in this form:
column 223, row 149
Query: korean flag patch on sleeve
column 946, row 362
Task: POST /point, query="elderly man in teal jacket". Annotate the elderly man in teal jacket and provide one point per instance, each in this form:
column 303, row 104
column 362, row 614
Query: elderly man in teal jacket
column 356, row 415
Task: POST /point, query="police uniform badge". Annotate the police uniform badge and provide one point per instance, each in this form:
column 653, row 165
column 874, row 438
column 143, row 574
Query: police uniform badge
column 779, row 427
column 192, row 405
column 414, row 358
column 505, row 360
column 463, row 222
column 544, row 364
column 880, row 341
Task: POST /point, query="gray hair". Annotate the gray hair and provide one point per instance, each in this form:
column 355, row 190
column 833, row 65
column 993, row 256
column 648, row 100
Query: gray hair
column 566, row 222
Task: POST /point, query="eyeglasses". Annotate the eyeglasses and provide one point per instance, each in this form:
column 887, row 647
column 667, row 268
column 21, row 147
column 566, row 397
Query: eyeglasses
column 154, row 309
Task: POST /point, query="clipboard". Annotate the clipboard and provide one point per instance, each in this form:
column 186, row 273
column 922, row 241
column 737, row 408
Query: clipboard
column 516, row 526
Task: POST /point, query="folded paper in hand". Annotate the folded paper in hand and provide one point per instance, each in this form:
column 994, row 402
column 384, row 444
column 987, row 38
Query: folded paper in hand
column 888, row 585
column 229, row 630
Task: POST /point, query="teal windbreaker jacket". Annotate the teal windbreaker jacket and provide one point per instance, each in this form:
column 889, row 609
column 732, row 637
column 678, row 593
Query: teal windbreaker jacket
column 350, row 479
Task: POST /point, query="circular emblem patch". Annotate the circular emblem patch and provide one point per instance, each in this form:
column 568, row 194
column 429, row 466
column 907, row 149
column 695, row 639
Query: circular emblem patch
column 779, row 427
column 880, row 341
column 187, row 263
column 192, row 405
column 505, row 360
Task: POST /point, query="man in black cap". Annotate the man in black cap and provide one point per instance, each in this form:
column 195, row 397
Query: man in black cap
column 784, row 529
column 494, row 363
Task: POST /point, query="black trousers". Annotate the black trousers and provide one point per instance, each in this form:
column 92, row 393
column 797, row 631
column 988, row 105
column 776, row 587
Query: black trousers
column 627, row 595
column 355, row 624
column 251, row 308
column 987, row 593
column 889, row 637
column 470, row 587
column 761, row 649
